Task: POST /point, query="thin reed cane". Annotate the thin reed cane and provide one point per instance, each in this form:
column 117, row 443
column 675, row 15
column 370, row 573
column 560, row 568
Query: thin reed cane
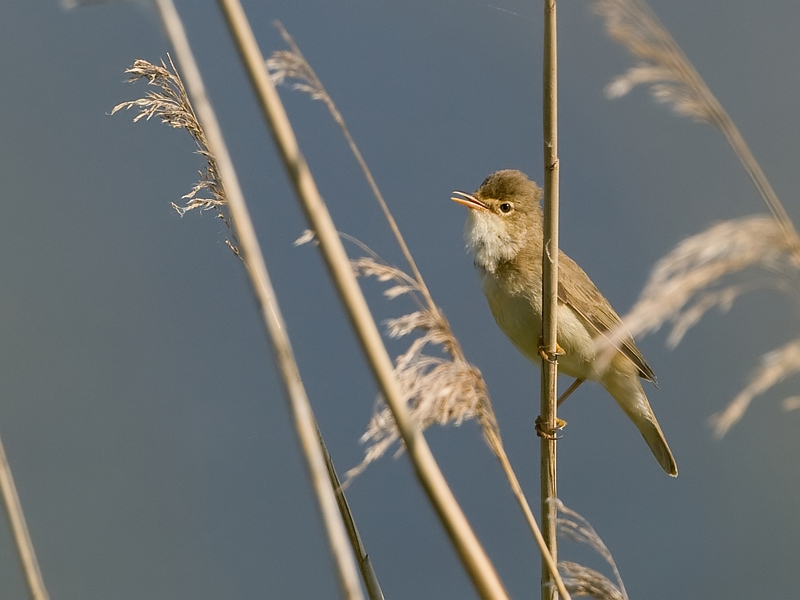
column 549, row 298
column 471, row 553
column 270, row 312
column 368, row 575
column 337, row 116
column 22, row 537
column 516, row 489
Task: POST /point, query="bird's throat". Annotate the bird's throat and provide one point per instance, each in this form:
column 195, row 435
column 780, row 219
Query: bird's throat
column 489, row 241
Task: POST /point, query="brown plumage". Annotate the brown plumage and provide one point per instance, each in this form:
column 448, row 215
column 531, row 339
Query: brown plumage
column 504, row 234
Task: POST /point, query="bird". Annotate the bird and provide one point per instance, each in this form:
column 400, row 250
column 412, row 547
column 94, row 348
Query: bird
column 504, row 234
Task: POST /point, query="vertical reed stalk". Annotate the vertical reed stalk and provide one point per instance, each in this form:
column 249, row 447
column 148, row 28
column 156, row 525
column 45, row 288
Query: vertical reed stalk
column 469, row 549
column 22, row 536
column 368, row 575
column 516, row 489
column 550, row 297
column 300, row 407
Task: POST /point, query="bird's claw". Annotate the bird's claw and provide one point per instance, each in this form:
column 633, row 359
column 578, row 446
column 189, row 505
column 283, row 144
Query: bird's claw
column 543, row 431
column 547, row 355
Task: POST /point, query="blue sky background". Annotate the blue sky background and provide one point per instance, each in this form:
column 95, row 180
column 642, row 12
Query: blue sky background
column 141, row 412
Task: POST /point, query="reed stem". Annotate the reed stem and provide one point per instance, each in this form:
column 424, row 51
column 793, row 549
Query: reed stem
column 22, row 537
column 550, row 298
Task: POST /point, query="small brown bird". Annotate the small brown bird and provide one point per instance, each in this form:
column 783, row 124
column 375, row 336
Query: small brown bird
column 504, row 235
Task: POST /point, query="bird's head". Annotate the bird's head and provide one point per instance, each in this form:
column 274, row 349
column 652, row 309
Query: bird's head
column 504, row 215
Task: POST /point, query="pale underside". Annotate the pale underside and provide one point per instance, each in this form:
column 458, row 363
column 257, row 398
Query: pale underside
column 519, row 316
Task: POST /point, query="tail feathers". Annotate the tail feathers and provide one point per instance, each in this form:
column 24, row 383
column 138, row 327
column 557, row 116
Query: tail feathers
column 628, row 392
column 652, row 434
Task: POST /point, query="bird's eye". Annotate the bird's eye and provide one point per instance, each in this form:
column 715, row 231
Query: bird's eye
column 505, row 207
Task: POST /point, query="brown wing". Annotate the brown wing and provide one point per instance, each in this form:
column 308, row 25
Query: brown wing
column 585, row 299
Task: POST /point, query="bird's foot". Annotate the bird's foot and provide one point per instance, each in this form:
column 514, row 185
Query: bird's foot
column 543, row 431
column 547, row 355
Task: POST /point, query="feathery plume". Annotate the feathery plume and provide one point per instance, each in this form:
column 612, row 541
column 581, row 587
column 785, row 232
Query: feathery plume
column 443, row 390
column 583, row 581
column 672, row 78
column 774, row 368
column 791, row 403
column 580, row 580
column 291, row 64
column 674, row 81
column 171, row 104
column 681, row 286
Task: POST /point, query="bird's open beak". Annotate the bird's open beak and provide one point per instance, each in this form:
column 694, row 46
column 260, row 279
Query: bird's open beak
column 467, row 200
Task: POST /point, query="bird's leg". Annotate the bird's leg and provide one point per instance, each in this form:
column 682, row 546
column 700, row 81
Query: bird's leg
column 546, row 355
column 568, row 392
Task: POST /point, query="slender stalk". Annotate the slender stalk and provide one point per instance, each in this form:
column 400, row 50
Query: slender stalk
column 33, row 575
column 469, row 549
column 516, row 489
column 367, row 572
column 753, row 168
column 549, row 297
column 270, row 312
column 337, row 116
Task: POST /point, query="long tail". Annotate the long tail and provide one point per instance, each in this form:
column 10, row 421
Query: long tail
column 630, row 396
column 654, row 437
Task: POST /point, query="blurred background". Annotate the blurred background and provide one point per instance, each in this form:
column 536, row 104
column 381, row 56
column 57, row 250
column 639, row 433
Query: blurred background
column 141, row 413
